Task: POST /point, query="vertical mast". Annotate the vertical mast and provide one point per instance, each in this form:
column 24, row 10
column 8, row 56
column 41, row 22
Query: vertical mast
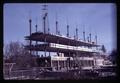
column 30, row 22
column 96, row 42
column 84, row 34
column 96, row 39
column 44, row 24
column 36, row 25
column 90, row 37
column 67, row 29
column 44, row 18
column 36, row 32
column 56, row 25
column 76, row 33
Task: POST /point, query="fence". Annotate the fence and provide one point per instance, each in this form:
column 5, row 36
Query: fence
column 23, row 74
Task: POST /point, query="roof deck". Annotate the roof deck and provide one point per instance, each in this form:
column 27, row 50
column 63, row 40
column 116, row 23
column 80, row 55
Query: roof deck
column 39, row 36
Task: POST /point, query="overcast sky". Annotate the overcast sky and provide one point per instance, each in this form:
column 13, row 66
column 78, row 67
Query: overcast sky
column 97, row 18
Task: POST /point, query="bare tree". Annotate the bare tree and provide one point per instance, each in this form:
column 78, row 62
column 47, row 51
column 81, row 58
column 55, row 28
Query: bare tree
column 12, row 49
column 18, row 54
